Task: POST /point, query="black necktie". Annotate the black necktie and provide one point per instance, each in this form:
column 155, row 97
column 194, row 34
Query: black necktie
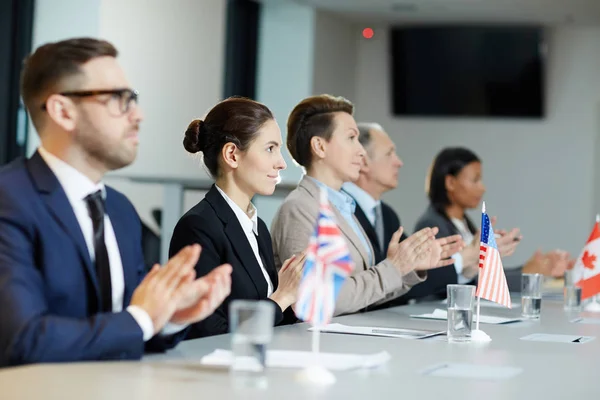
column 95, row 204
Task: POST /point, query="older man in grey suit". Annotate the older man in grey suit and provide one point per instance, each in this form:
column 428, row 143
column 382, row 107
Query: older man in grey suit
column 323, row 138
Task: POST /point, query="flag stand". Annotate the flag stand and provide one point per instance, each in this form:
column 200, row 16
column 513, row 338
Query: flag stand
column 316, row 373
column 593, row 306
column 478, row 335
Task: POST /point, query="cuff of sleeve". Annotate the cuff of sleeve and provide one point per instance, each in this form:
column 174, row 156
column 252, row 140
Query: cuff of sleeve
column 414, row 277
column 458, row 263
column 278, row 312
column 394, row 280
column 143, row 320
column 171, row 329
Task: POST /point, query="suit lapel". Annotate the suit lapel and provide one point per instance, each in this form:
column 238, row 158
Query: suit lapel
column 57, row 202
column 350, row 235
column 435, row 215
column 130, row 269
column 266, row 250
column 238, row 239
column 346, row 229
column 368, row 228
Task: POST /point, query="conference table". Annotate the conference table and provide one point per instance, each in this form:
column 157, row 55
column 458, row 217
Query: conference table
column 548, row 370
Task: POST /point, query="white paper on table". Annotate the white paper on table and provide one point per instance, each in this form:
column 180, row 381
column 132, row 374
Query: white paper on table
column 484, row 319
column 582, row 320
column 547, row 337
column 378, row 331
column 303, row 359
column 471, row 371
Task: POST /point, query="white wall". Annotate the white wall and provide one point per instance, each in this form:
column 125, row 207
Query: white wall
column 285, row 63
column 284, row 76
column 336, row 54
column 58, row 20
column 539, row 174
column 173, row 53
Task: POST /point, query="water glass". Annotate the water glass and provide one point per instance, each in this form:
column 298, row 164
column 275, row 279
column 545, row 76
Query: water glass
column 531, row 295
column 572, row 298
column 572, row 293
column 460, row 312
column 251, row 326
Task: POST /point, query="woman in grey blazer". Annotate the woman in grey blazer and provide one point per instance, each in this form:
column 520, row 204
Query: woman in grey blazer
column 323, row 138
column 454, row 185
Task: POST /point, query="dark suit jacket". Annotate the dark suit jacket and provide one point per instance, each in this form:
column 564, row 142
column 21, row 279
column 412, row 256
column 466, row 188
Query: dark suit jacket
column 49, row 294
column 213, row 224
column 435, row 285
column 391, row 223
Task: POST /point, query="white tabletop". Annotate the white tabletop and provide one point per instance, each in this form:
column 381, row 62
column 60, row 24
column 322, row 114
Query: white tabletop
column 550, row 370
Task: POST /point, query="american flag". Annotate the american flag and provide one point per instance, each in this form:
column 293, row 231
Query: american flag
column 492, row 281
column 327, row 265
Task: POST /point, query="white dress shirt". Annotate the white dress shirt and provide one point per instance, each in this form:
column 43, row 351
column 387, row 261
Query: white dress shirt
column 467, row 237
column 365, row 201
column 77, row 186
column 250, row 227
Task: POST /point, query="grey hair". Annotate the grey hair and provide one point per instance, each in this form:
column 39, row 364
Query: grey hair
column 364, row 130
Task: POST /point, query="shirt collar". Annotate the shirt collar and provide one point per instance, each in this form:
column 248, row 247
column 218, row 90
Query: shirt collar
column 75, row 184
column 363, row 199
column 249, row 220
column 341, row 200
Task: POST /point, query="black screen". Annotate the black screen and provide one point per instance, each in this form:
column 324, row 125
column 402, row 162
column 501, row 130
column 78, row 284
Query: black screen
column 495, row 71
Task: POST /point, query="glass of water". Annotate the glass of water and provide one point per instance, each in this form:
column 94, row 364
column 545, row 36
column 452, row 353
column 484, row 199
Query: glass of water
column 251, row 327
column 531, row 295
column 572, row 298
column 460, row 312
column 572, row 293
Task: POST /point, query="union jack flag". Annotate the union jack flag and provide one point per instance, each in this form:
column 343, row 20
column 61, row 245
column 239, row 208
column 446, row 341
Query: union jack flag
column 327, row 265
column 492, row 281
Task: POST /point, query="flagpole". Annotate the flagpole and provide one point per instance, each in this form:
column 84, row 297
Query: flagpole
column 316, row 331
column 479, row 277
column 478, row 335
column 478, row 303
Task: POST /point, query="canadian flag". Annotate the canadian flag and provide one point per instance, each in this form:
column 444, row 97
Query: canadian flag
column 587, row 266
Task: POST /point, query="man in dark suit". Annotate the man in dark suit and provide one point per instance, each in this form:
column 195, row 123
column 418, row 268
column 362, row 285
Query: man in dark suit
column 378, row 175
column 73, row 285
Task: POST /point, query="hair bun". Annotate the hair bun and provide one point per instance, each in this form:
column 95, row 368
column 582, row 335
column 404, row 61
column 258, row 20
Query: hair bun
column 194, row 140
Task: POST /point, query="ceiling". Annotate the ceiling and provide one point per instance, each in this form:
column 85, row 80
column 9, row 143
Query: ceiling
column 547, row 12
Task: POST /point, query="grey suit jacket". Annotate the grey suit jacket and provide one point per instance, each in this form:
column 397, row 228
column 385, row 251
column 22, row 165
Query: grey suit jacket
column 368, row 285
column 432, row 217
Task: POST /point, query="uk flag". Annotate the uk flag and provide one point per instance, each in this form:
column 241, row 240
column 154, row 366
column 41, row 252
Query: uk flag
column 327, row 265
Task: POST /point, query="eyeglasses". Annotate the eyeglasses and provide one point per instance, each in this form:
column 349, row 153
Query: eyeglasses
column 123, row 97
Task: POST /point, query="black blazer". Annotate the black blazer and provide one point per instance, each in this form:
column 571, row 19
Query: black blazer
column 213, row 224
column 391, row 223
column 437, row 279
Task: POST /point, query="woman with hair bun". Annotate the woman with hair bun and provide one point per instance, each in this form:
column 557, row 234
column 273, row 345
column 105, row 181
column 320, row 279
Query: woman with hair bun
column 241, row 146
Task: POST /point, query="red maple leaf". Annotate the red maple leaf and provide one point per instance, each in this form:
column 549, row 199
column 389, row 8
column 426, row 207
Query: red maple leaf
column 588, row 260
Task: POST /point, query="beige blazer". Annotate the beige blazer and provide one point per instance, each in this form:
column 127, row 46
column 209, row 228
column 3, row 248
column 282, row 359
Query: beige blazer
column 368, row 285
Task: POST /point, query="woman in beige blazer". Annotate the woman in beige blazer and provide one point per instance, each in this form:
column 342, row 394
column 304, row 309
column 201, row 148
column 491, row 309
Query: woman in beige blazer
column 323, row 138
